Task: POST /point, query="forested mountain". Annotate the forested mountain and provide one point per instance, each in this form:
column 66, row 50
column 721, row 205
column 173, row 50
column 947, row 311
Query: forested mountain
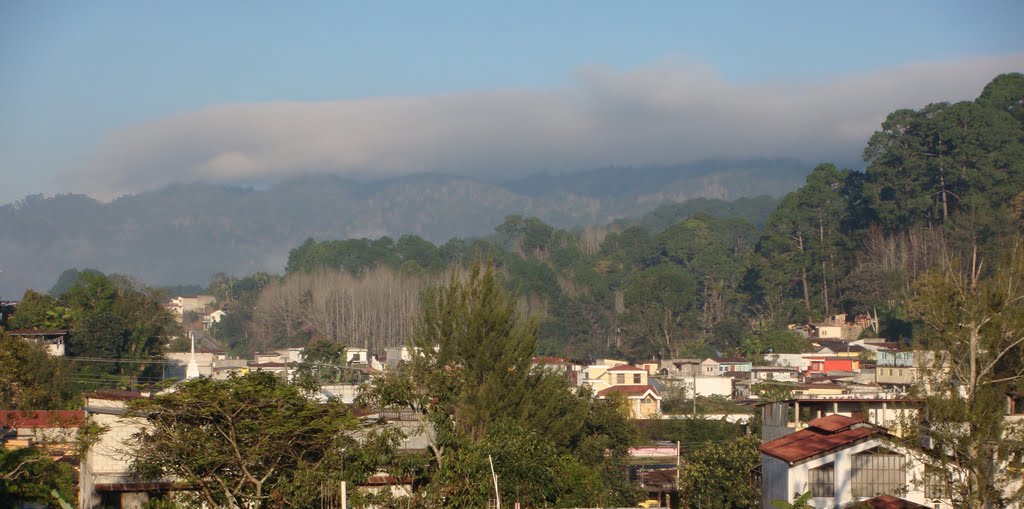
column 185, row 233
column 943, row 183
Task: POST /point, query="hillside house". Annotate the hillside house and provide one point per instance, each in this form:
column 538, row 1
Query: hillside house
column 679, row 368
column 788, row 360
column 355, row 355
column 733, row 365
column 629, row 381
column 212, row 318
column 900, row 370
column 709, row 367
column 52, row 339
column 395, row 355
column 186, row 303
column 774, row 374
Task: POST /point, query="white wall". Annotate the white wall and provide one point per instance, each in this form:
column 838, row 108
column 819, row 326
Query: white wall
column 776, row 485
column 107, row 461
column 708, row 385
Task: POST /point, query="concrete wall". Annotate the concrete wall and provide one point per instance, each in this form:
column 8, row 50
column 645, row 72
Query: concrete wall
column 108, row 460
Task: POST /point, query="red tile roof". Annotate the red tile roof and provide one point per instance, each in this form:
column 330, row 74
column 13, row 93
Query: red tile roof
column 626, row 367
column 41, row 418
column 891, row 502
column 818, row 439
column 629, row 390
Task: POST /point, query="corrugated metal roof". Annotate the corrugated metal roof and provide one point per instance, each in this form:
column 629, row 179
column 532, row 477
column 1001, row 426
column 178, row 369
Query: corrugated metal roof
column 817, row 439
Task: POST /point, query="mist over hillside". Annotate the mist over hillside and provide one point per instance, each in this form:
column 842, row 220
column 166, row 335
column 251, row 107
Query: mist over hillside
column 185, row 233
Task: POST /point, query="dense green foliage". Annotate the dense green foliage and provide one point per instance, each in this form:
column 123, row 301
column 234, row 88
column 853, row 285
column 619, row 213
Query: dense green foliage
column 31, row 378
column 251, row 441
column 975, row 322
column 108, row 318
column 718, row 474
column 30, row 475
column 470, row 380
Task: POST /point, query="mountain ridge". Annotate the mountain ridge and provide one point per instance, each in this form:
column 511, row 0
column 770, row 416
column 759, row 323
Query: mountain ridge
column 184, row 233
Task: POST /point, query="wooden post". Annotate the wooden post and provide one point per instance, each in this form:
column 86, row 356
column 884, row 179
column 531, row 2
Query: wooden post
column 344, row 496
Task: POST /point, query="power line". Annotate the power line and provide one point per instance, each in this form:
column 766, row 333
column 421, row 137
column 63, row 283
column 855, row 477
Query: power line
column 113, row 360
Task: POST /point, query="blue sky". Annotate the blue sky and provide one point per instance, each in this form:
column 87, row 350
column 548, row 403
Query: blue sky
column 105, row 97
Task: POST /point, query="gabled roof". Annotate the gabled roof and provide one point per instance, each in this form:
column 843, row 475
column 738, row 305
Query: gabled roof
column 821, row 436
column 41, row 418
column 833, row 423
column 626, row 367
column 630, row 391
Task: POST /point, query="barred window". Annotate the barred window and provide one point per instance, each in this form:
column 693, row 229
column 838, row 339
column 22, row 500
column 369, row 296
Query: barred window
column 935, row 483
column 823, row 481
column 878, row 472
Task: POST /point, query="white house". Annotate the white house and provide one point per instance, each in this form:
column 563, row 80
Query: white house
column 52, row 339
column 212, row 318
column 842, row 460
column 395, row 355
column 794, row 360
column 181, row 305
column 357, row 355
column 775, row 374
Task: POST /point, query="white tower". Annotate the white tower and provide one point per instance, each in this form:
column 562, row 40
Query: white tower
column 192, row 371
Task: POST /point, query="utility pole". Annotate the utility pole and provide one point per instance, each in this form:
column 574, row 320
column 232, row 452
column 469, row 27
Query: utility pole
column 497, row 495
column 695, row 392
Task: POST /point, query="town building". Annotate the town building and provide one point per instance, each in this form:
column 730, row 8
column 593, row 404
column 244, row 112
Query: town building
column 842, row 460
column 52, row 339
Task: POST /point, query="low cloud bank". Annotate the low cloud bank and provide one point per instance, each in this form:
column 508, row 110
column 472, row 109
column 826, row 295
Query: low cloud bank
column 666, row 113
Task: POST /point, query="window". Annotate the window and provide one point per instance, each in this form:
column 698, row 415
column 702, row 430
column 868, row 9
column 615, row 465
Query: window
column 823, row 481
column 620, row 378
column 935, row 483
column 636, row 378
column 879, row 472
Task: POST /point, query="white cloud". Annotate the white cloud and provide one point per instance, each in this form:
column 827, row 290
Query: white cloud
column 666, row 113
